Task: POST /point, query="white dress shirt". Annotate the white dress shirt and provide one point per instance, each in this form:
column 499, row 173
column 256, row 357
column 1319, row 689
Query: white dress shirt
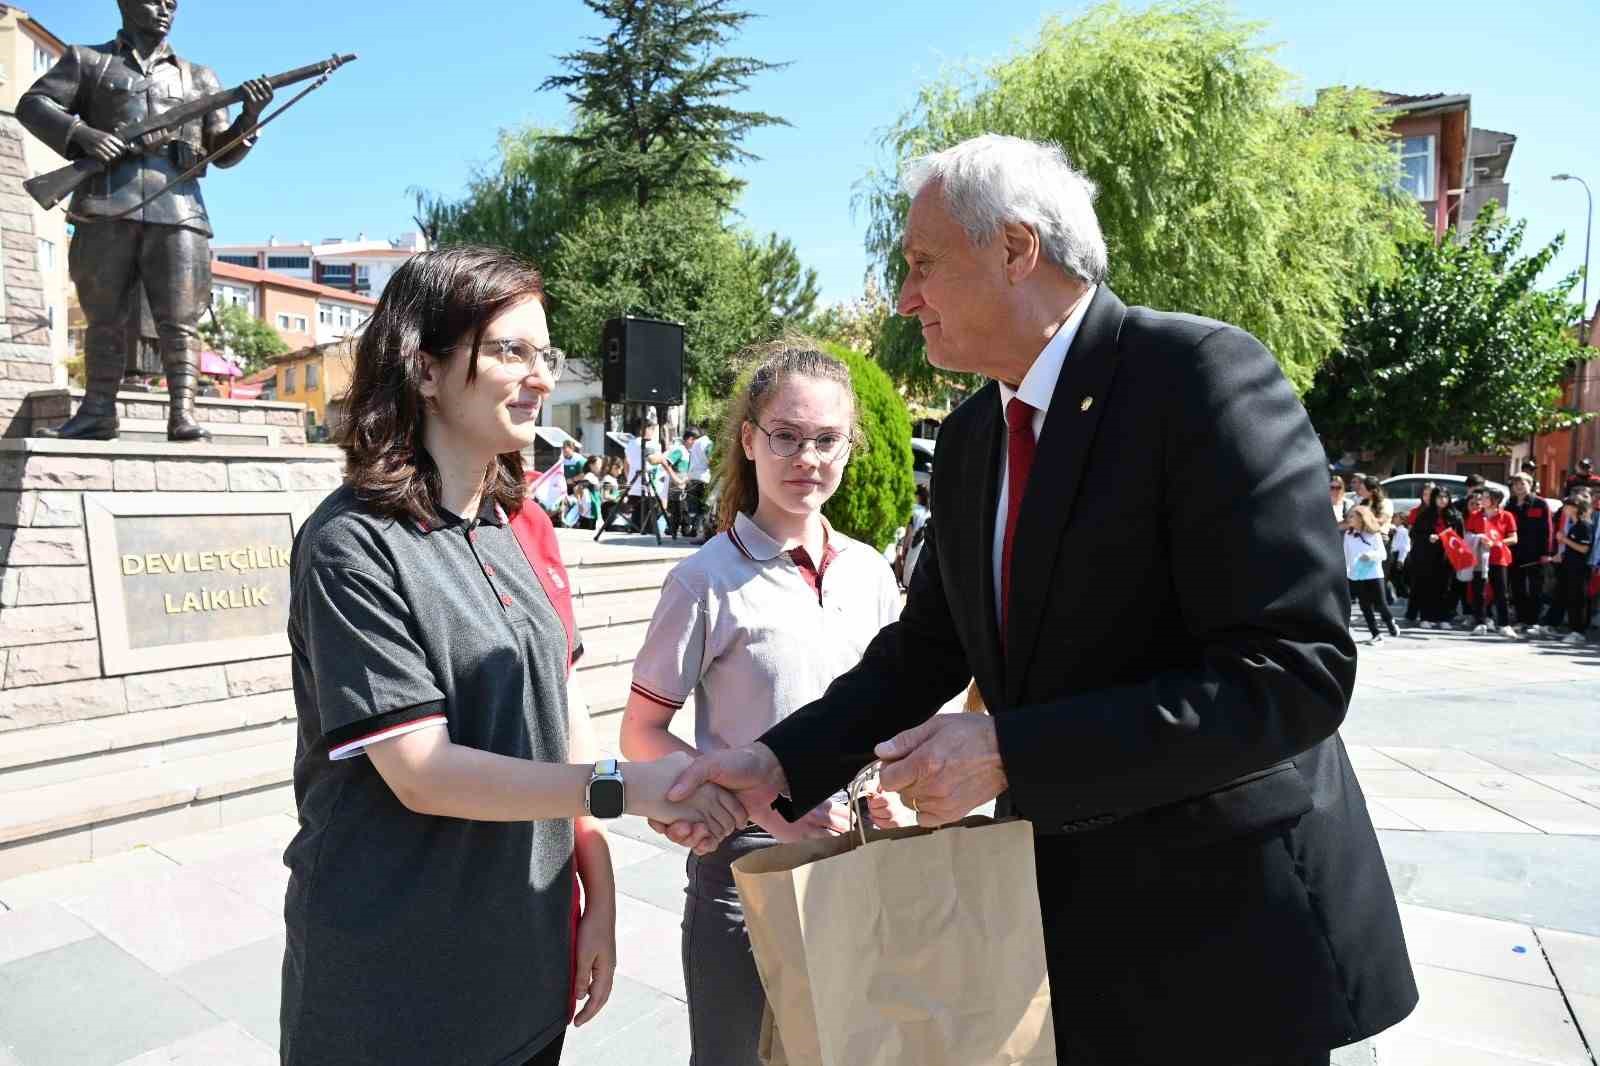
column 1037, row 386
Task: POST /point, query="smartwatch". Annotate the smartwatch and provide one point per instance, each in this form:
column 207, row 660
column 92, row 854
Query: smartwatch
column 604, row 798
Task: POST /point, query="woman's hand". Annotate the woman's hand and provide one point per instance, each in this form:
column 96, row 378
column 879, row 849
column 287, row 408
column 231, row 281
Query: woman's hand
column 826, row 820
column 888, row 810
column 597, row 958
column 646, row 785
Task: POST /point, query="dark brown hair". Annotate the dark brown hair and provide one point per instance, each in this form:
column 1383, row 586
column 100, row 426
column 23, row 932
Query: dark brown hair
column 792, row 356
column 433, row 303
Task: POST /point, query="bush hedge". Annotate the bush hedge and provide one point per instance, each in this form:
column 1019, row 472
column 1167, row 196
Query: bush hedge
column 877, row 491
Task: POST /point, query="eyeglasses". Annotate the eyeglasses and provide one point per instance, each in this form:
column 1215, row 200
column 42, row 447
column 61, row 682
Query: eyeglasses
column 512, row 351
column 831, row 446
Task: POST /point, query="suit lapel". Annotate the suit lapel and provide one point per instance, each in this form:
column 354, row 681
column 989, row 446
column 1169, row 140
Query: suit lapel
column 1075, row 408
column 983, row 457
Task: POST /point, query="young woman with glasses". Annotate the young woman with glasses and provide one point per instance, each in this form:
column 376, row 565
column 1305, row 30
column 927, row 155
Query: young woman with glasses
column 444, row 773
column 753, row 626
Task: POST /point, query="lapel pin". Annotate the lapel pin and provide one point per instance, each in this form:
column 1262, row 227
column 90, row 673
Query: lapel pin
column 1088, row 402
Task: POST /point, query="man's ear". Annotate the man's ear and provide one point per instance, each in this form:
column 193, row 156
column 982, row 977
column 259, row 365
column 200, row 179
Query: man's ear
column 1022, row 250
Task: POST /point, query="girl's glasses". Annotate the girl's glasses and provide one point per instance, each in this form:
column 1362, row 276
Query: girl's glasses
column 513, row 352
column 830, row 445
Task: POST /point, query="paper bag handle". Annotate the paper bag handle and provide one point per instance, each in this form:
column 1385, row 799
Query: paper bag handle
column 868, row 772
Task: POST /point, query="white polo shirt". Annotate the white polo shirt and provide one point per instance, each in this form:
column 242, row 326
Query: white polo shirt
column 741, row 627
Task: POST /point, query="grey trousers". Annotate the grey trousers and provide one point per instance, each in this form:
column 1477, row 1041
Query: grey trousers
column 719, row 972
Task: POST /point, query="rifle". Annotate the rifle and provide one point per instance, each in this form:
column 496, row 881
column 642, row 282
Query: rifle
column 51, row 188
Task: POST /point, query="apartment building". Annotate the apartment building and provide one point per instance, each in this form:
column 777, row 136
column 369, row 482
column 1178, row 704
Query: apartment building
column 27, row 50
column 359, row 266
column 303, row 312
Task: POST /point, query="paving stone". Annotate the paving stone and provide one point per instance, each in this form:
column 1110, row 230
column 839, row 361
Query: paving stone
column 1586, row 1009
column 175, row 919
column 44, row 853
column 631, row 1003
column 1494, row 787
column 133, row 1010
column 69, row 882
column 1456, row 815
column 654, row 945
column 625, row 851
column 243, row 985
column 271, row 834
column 1430, row 760
column 1365, row 758
column 1501, row 1017
column 258, row 875
column 1398, row 1048
column 1384, row 818
column 1563, row 816
column 1586, row 789
column 1576, row 961
column 1466, row 943
column 225, row 1044
column 42, row 927
column 657, row 1039
column 1535, row 763
column 1403, row 784
column 659, row 881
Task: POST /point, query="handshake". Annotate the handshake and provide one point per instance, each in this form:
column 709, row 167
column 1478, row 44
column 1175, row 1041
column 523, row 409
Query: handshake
column 942, row 770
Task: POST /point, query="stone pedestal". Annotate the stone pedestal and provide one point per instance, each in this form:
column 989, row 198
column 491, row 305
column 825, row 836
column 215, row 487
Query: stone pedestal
column 139, row 575
column 250, row 423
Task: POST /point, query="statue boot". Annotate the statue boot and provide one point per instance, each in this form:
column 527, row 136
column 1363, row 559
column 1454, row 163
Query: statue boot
column 96, row 417
column 183, row 384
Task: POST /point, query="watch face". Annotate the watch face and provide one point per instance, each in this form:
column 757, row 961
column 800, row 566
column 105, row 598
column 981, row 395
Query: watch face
column 605, row 798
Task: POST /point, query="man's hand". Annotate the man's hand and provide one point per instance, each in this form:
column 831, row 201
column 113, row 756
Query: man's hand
column 98, row 144
column 945, row 767
column 257, row 95
column 710, row 809
column 753, row 774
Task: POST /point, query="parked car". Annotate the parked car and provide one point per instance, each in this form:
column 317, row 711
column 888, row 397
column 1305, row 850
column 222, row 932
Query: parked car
column 922, row 460
column 1405, row 490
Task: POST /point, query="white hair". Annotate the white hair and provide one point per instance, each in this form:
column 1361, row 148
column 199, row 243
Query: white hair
column 993, row 180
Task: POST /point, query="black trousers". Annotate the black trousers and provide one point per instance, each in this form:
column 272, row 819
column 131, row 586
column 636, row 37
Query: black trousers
column 1526, row 588
column 1496, row 580
column 1573, row 586
column 551, row 1055
column 1369, row 594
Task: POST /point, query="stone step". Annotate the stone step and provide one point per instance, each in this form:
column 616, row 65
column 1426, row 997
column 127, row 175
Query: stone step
column 615, row 608
column 633, row 577
column 578, row 549
column 612, row 646
column 49, row 754
column 88, row 818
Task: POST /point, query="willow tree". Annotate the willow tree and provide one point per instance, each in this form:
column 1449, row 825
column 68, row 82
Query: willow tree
column 1218, row 193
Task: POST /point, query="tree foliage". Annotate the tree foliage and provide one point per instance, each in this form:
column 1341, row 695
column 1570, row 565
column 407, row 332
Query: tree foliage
column 237, row 333
column 1218, row 194
column 877, row 490
column 653, row 95
column 1460, row 345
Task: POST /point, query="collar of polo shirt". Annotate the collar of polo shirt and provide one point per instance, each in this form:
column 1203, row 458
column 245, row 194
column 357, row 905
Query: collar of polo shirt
column 489, row 513
column 757, row 546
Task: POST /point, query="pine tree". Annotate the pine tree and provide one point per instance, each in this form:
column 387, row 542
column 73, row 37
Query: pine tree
column 651, row 97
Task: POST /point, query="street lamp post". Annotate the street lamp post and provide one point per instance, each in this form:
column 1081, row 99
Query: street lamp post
column 1583, row 323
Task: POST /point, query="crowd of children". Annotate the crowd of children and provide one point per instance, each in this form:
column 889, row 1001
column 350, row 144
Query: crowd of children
column 1461, row 561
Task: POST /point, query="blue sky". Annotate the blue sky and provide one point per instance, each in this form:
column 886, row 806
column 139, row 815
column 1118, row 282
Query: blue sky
column 437, row 80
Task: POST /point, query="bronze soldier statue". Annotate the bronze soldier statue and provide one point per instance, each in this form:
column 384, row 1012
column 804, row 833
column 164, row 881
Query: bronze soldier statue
column 120, row 243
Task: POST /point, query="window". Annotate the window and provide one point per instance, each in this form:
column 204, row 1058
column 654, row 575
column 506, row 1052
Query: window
column 283, row 321
column 43, row 59
column 300, row 324
column 288, row 262
column 239, row 260
column 325, row 315
column 311, row 376
column 363, row 278
column 1416, row 166
column 344, row 318
column 337, row 274
column 288, row 380
column 47, row 256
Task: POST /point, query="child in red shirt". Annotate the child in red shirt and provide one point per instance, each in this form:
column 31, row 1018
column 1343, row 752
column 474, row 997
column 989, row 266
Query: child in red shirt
column 1499, row 528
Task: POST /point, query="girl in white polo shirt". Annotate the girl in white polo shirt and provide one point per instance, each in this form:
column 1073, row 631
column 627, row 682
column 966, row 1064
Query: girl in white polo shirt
column 754, row 625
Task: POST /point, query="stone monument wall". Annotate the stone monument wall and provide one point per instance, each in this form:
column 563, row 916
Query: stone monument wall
column 137, row 576
column 25, row 362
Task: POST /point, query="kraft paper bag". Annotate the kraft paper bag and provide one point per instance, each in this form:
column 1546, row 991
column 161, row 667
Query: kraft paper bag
column 919, row 947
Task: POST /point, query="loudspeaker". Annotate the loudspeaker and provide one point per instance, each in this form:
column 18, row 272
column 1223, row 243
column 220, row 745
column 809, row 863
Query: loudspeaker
column 642, row 361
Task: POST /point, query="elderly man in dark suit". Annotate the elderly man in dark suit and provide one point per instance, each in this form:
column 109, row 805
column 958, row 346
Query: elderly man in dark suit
column 1211, row 885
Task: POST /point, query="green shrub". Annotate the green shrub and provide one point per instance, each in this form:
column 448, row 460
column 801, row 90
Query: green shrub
column 877, row 491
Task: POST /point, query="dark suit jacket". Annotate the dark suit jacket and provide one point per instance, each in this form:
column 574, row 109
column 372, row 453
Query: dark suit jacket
column 1167, row 704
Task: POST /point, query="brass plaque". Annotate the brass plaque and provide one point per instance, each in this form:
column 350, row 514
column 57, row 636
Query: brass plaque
column 184, row 579
column 188, row 578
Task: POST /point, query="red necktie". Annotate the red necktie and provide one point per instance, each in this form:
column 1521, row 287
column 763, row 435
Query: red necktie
column 1019, row 462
